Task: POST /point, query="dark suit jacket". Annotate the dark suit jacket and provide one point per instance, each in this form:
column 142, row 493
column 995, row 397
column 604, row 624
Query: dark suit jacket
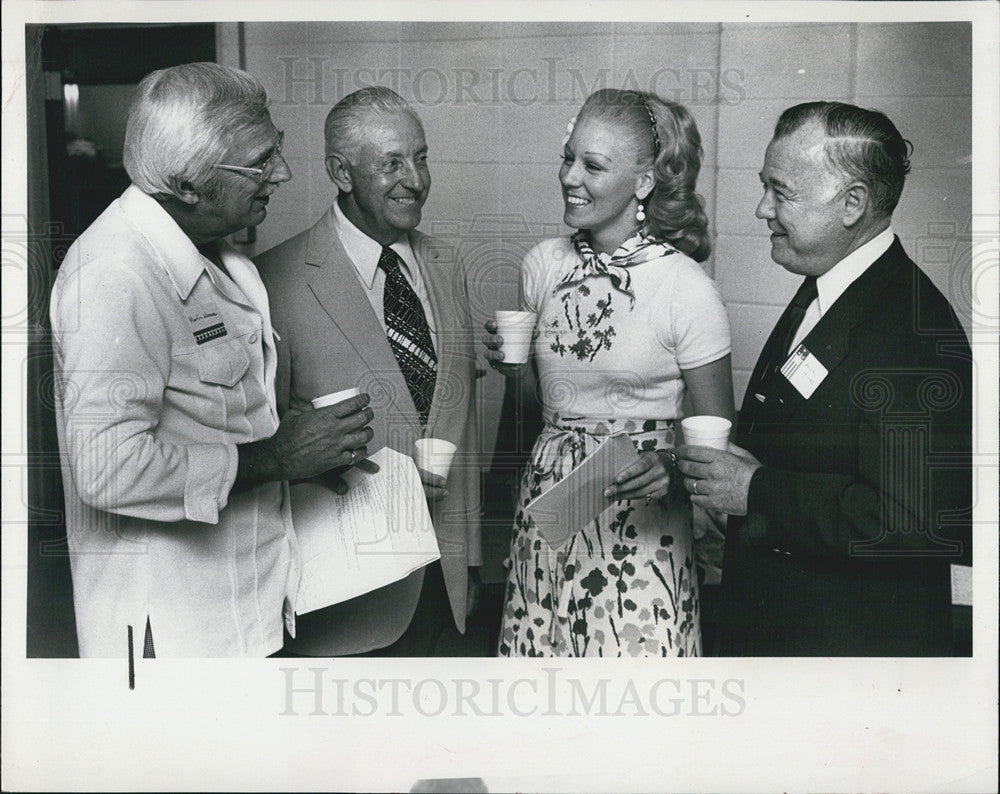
column 330, row 339
column 865, row 497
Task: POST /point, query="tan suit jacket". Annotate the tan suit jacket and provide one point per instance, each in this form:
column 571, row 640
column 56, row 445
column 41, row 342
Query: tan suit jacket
column 330, row 339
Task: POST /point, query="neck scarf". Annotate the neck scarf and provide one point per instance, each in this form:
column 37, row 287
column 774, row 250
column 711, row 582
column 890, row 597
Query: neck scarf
column 634, row 251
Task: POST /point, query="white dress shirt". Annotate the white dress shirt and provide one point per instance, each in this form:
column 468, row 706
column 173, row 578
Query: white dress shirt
column 832, row 284
column 364, row 253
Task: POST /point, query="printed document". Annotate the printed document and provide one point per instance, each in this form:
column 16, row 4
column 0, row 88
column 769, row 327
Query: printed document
column 377, row 533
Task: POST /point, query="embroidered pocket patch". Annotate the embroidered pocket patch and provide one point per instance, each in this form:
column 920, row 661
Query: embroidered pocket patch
column 206, row 323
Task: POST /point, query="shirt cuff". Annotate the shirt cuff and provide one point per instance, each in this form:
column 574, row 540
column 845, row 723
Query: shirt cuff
column 210, row 477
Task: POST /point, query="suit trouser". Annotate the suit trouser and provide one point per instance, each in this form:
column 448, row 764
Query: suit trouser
column 432, row 621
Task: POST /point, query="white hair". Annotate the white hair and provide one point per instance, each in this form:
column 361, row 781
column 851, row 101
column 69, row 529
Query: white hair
column 184, row 120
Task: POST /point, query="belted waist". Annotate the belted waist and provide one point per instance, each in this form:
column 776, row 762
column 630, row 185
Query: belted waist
column 603, row 426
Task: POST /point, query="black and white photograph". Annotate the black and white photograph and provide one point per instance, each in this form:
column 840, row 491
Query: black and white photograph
column 537, row 397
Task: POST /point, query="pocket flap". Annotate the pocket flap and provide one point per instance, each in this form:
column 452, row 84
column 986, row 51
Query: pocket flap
column 223, row 364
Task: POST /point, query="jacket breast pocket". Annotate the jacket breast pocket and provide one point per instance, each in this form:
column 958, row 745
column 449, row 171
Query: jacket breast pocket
column 223, row 364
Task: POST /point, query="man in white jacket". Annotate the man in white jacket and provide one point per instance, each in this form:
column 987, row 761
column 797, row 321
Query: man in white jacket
column 174, row 459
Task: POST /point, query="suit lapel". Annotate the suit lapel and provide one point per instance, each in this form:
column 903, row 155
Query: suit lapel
column 761, row 380
column 446, row 419
column 334, row 281
column 437, row 272
column 829, row 341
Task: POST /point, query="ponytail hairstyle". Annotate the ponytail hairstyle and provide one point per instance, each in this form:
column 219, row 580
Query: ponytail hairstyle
column 663, row 135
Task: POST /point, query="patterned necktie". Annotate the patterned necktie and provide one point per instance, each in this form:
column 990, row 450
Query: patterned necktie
column 408, row 334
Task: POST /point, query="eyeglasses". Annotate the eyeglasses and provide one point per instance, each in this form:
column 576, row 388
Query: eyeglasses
column 264, row 171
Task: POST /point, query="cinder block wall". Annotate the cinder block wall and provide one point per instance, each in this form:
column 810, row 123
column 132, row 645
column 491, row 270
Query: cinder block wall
column 919, row 75
column 495, row 99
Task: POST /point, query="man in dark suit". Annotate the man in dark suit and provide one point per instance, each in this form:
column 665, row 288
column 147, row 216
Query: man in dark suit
column 364, row 300
column 849, row 495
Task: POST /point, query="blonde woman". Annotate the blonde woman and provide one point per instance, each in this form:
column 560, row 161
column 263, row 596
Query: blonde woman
column 628, row 325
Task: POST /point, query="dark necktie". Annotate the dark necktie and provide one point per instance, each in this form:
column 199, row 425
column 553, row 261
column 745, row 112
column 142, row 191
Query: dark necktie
column 772, row 357
column 408, row 334
column 784, row 331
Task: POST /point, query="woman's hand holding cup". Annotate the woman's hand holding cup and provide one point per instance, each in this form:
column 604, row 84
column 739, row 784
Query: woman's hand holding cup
column 508, row 344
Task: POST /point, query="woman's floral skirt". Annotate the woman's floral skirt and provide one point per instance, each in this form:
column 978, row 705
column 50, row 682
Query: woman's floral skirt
column 623, row 585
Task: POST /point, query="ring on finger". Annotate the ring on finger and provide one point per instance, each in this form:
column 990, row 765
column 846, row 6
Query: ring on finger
column 694, row 487
column 354, row 456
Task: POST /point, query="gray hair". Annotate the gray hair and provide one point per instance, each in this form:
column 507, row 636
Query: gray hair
column 347, row 122
column 861, row 144
column 184, row 120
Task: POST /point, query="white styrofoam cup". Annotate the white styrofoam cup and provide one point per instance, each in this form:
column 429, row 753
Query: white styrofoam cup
column 516, row 329
column 706, row 431
column 434, row 455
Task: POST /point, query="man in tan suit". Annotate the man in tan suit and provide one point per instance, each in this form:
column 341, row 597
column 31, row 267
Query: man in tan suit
column 364, row 300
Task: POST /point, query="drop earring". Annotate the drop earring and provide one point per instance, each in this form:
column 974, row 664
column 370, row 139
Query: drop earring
column 640, row 213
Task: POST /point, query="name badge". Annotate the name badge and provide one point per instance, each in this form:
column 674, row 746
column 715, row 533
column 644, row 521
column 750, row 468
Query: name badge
column 803, row 371
column 206, row 322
